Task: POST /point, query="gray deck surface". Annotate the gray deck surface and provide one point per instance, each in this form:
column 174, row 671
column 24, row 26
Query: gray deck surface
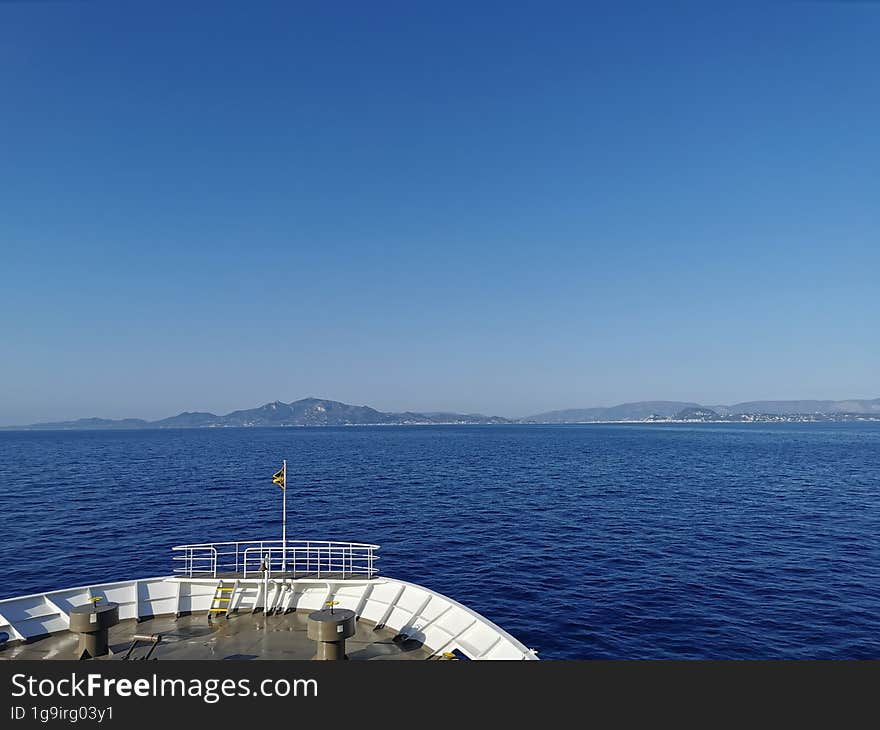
column 242, row 636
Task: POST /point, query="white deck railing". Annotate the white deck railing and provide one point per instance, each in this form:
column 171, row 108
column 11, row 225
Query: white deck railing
column 268, row 558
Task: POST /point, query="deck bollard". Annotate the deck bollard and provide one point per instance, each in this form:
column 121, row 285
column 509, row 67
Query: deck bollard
column 92, row 622
column 330, row 629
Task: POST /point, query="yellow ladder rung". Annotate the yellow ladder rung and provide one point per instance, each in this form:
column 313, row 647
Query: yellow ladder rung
column 217, row 610
column 216, row 600
column 225, row 589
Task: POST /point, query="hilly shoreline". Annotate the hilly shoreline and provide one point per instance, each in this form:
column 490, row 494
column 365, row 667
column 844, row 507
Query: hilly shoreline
column 683, row 410
column 304, row 412
column 324, row 412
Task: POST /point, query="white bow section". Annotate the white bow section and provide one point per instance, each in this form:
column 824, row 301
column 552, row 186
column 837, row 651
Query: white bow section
column 440, row 623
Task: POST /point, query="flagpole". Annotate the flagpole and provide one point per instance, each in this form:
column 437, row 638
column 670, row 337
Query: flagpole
column 284, row 520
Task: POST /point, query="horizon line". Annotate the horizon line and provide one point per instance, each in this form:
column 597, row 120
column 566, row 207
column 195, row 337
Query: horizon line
column 436, row 411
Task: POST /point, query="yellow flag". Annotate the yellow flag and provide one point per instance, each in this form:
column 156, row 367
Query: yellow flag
column 278, row 478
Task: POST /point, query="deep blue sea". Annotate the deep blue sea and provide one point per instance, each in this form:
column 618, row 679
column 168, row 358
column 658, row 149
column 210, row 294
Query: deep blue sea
column 601, row 541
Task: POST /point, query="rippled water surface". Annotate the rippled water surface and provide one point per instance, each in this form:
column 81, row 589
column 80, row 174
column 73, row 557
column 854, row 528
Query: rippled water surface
column 605, row 541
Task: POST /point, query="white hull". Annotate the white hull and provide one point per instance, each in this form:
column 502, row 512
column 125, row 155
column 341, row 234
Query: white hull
column 440, row 623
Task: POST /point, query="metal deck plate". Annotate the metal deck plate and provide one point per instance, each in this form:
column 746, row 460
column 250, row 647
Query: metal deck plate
column 240, row 637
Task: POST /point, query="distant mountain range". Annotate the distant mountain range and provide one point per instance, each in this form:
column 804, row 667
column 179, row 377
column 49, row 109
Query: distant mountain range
column 322, row 412
column 644, row 410
column 305, row 412
column 622, row 412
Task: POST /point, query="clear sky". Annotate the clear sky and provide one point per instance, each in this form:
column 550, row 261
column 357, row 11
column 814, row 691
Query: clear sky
column 500, row 207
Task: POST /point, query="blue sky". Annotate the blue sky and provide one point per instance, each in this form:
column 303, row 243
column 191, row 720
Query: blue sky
column 497, row 207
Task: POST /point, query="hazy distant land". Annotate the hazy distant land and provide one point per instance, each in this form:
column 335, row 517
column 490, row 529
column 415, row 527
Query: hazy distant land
column 807, row 410
column 322, row 412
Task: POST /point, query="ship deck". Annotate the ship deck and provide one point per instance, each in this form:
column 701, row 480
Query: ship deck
column 242, row 636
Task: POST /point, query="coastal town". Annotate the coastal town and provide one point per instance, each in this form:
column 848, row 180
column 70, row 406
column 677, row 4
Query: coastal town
column 707, row 415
